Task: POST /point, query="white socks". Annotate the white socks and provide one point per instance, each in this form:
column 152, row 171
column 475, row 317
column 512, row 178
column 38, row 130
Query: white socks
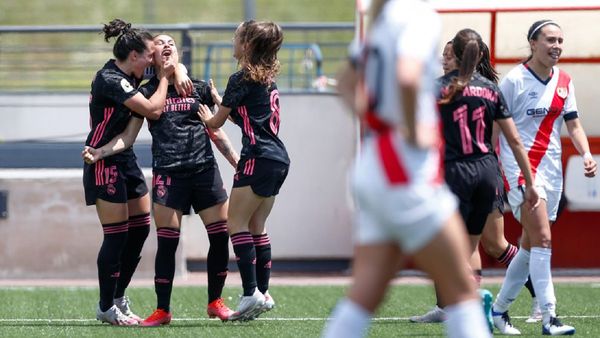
column 541, row 277
column 516, row 276
column 347, row 320
column 465, row 320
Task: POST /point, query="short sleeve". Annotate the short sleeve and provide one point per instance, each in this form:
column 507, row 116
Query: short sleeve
column 116, row 87
column 502, row 111
column 235, row 92
column 570, row 102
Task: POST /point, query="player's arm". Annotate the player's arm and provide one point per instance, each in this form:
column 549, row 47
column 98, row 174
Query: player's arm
column 152, row 108
column 119, row 143
column 580, row 142
column 509, row 129
column 213, row 121
column 221, row 141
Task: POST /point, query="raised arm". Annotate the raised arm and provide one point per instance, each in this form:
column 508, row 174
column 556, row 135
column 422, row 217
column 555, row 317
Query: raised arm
column 119, row 143
column 153, row 107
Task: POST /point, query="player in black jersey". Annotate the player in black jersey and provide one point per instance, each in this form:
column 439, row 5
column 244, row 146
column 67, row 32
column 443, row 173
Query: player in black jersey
column 115, row 184
column 251, row 100
column 185, row 174
column 470, row 103
column 492, row 237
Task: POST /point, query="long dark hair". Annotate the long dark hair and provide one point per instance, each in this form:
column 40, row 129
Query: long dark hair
column 471, row 55
column 128, row 39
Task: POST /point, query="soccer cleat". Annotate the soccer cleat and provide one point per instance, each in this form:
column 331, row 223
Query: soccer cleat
column 123, row 305
column 114, row 316
column 249, row 307
column 269, row 302
column 267, row 306
column 556, row 328
column 486, row 302
column 217, row 308
column 502, row 323
column 157, row 318
column 536, row 312
column 435, row 315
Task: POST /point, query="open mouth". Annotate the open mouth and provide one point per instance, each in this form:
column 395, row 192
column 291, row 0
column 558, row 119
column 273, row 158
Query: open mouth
column 166, row 52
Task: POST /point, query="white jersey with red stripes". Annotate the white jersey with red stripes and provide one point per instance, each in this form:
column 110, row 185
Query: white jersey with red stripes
column 538, row 109
column 399, row 188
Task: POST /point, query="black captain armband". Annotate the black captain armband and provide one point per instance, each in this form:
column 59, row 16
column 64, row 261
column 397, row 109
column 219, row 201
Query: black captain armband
column 571, row 116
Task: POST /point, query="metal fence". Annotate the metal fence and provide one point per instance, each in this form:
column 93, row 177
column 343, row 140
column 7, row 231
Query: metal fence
column 65, row 58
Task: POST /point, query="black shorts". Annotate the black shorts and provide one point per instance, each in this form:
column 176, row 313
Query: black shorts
column 478, row 188
column 264, row 176
column 112, row 181
column 200, row 190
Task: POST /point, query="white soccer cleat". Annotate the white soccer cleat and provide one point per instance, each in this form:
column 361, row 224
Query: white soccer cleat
column 435, row 315
column 556, row 328
column 269, row 302
column 536, row 312
column 502, row 323
column 114, row 316
column 123, row 305
column 249, row 307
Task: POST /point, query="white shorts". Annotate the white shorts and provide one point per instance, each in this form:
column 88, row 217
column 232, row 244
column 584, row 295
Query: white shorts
column 408, row 214
column 516, row 197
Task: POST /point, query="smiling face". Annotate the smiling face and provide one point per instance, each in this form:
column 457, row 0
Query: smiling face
column 164, row 47
column 140, row 61
column 547, row 47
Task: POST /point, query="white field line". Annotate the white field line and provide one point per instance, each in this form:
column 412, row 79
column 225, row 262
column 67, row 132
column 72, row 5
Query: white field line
column 283, row 319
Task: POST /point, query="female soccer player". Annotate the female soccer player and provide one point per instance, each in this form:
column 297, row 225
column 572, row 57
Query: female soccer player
column 492, row 235
column 404, row 207
column 541, row 96
column 116, row 184
column 185, row 174
column 251, row 100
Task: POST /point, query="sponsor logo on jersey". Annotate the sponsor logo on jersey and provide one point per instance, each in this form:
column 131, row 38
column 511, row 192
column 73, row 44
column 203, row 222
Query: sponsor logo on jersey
column 562, row 92
column 127, row 87
column 540, row 112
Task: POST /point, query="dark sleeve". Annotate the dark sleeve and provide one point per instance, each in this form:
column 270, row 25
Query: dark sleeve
column 116, row 88
column 203, row 91
column 502, row 111
column 235, row 92
column 570, row 116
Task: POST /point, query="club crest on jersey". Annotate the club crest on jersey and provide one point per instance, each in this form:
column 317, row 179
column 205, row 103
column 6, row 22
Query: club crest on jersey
column 562, row 92
column 110, row 189
column 126, row 85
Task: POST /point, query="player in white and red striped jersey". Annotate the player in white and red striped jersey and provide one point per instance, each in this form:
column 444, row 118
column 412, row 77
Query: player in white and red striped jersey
column 404, row 207
column 540, row 96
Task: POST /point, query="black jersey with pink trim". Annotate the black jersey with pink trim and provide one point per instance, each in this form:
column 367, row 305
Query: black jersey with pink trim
column 180, row 141
column 468, row 118
column 255, row 109
column 108, row 115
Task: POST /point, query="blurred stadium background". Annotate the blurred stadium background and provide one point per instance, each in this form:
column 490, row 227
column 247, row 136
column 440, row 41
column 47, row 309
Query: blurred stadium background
column 50, row 50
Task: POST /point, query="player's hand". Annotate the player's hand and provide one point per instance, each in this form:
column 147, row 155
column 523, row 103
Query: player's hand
column 589, row 167
column 531, row 197
column 205, row 114
column 91, row 155
column 214, row 92
column 166, row 66
column 183, row 84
